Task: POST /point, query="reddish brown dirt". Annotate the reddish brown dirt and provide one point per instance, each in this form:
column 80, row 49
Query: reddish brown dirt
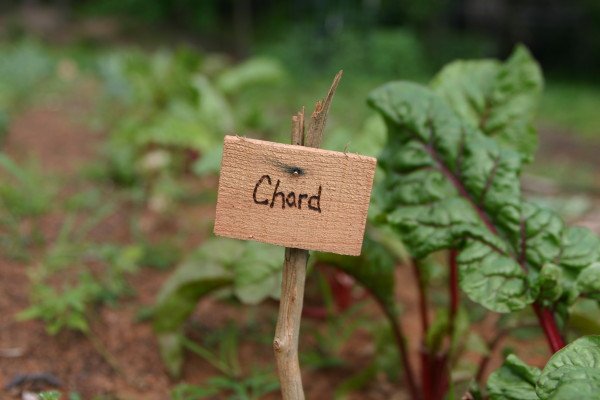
column 61, row 146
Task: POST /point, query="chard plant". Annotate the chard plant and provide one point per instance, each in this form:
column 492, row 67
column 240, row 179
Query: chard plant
column 452, row 163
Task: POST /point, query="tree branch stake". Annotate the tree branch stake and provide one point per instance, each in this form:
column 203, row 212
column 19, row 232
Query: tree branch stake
column 294, row 267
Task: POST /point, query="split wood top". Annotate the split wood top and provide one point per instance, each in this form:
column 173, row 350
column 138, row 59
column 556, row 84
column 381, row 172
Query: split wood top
column 293, row 196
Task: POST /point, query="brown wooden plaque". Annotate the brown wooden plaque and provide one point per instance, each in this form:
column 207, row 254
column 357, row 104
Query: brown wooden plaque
column 293, row 196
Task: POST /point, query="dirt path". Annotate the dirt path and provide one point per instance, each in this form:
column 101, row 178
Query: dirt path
column 61, row 145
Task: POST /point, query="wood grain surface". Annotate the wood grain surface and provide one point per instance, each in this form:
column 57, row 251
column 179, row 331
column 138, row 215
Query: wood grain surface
column 293, row 196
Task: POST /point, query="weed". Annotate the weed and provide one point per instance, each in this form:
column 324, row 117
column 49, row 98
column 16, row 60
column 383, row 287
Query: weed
column 232, row 382
column 25, row 196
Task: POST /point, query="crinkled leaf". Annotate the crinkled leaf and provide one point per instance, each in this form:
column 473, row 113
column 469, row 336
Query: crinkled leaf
column 494, row 279
column 514, row 380
column 579, row 248
column 550, row 284
column 574, row 370
column 450, row 186
column 447, row 185
column 588, row 282
column 498, row 98
column 542, row 231
column 579, row 384
column 466, row 87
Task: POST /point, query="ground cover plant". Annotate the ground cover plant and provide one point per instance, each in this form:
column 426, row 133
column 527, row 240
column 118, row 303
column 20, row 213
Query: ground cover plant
column 169, row 110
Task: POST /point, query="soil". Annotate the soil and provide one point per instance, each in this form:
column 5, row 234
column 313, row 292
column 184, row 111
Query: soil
column 62, row 144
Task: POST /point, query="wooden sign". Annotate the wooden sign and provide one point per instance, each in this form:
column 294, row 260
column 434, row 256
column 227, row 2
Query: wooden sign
column 293, row 196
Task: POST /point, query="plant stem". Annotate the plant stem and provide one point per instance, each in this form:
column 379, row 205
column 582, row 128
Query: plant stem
column 438, row 363
column 287, row 331
column 548, row 323
column 425, row 354
column 453, row 286
column 400, row 339
column 422, row 297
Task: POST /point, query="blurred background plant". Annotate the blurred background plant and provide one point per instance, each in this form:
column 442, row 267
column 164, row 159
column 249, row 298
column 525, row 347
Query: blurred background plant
column 152, row 88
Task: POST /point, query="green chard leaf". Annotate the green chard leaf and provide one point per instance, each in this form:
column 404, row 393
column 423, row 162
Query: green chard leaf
column 588, row 282
column 257, row 274
column 251, row 269
column 573, row 372
column 448, row 185
column 550, row 287
column 500, row 99
column 514, row 380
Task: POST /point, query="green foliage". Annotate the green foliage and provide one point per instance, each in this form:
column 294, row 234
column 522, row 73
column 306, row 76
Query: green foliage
column 70, row 304
column 255, row 71
column 499, row 99
column 25, row 194
column 250, row 269
column 452, row 163
column 23, row 67
column 513, row 381
column 450, row 186
column 178, row 102
column 50, row 395
column 232, row 381
column 226, row 358
column 384, row 53
column 253, row 387
column 588, row 282
column 64, row 309
column 4, row 123
column 571, row 373
column 161, row 255
column 340, row 327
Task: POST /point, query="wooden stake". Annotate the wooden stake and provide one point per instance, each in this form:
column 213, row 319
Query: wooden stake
column 294, row 268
